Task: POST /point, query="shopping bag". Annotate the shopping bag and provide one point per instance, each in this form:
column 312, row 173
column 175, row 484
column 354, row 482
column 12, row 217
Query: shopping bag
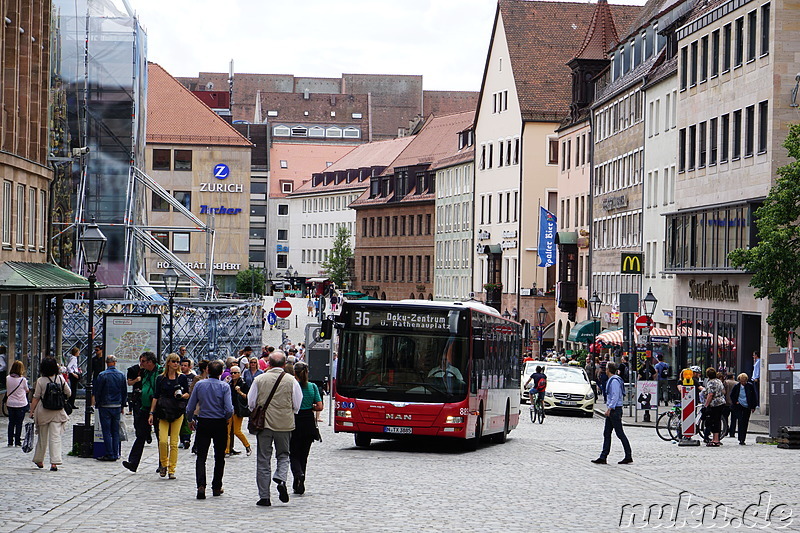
column 123, row 431
column 27, row 439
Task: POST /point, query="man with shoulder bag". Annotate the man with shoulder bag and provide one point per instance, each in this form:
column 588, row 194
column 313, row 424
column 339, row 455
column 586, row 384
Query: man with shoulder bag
column 143, row 381
column 273, row 399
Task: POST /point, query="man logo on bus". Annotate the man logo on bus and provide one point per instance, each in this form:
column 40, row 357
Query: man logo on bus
column 391, row 416
column 631, row 263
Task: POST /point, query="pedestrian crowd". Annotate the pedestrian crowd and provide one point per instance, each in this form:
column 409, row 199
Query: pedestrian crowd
column 174, row 402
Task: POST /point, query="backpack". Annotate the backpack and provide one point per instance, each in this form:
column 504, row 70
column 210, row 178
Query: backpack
column 53, row 397
column 665, row 371
column 541, row 385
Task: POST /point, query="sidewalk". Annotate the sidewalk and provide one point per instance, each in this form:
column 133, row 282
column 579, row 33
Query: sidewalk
column 759, row 424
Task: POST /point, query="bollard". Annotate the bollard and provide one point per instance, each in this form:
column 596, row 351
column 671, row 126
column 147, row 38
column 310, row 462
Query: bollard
column 688, row 426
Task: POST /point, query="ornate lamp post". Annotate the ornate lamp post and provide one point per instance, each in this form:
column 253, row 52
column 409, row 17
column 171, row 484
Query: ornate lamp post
column 170, row 278
column 594, row 311
column 93, row 244
column 542, row 316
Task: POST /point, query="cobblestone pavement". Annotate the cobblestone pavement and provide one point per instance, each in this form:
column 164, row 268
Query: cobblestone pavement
column 416, row 485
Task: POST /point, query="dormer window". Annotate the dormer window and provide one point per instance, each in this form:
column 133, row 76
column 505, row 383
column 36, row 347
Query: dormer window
column 281, row 131
column 299, row 131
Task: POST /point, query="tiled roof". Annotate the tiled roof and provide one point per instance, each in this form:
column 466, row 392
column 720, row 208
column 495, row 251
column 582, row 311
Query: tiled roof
column 317, row 109
column 176, row 116
column 302, row 160
column 542, row 37
column 602, row 34
column 437, row 140
column 651, row 10
column 364, row 156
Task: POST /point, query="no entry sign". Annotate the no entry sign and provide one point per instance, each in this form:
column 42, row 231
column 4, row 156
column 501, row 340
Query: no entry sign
column 642, row 322
column 283, row 309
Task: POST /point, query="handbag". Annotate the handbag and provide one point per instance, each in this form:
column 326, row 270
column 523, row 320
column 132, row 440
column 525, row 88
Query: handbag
column 123, row 431
column 256, row 421
column 27, row 439
column 5, row 398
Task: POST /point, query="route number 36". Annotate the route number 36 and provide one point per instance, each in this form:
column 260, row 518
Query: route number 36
column 361, row 318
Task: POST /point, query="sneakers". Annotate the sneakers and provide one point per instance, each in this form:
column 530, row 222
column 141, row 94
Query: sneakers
column 600, row 461
column 234, row 452
column 283, row 493
column 264, row 502
column 249, row 451
column 172, row 476
column 162, row 471
column 626, row 461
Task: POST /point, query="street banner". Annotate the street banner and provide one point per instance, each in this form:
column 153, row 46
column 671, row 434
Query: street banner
column 547, row 238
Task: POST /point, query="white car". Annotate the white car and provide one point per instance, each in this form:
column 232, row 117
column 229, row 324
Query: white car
column 528, row 369
column 568, row 389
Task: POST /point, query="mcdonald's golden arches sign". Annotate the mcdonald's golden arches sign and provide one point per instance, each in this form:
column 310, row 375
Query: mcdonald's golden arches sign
column 632, row 262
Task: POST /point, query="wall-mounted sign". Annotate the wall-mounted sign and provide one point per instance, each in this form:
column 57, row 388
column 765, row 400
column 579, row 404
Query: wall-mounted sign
column 221, row 210
column 615, row 202
column 511, row 234
column 707, row 290
column 631, row 263
column 484, row 235
column 221, row 171
column 370, row 287
column 583, row 242
column 281, row 248
column 197, row 265
column 221, row 187
column 508, row 244
column 525, row 292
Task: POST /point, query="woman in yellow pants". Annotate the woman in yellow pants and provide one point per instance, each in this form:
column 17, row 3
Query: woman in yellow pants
column 169, row 407
column 239, row 390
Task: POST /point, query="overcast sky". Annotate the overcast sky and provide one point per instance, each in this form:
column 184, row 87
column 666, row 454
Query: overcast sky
column 444, row 40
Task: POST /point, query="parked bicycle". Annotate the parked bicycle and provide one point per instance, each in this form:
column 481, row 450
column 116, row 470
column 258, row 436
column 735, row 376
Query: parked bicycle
column 668, row 425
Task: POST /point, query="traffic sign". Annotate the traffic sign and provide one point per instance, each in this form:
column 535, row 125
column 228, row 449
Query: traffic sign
column 283, row 323
column 283, row 309
column 642, row 322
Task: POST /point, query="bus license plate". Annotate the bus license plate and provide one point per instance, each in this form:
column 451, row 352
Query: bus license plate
column 569, row 403
column 395, row 429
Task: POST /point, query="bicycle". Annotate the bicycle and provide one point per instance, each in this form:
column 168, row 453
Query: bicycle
column 536, row 409
column 668, row 424
column 703, row 432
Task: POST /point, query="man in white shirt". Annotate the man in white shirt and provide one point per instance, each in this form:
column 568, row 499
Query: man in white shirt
column 284, row 395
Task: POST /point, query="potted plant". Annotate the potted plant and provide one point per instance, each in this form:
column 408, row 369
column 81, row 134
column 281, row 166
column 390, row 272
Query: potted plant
column 492, row 286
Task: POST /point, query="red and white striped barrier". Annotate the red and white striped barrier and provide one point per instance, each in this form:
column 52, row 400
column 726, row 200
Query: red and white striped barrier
column 688, row 427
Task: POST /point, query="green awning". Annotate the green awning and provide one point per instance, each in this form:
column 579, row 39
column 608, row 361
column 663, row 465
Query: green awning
column 584, row 331
column 567, row 237
column 41, row 278
column 491, row 249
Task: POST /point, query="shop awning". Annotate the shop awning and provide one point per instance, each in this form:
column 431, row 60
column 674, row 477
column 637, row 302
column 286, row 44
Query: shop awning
column 40, row 278
column 567, row 237
column 616, row 337
column 316, row 280
column 584, row 332
column 491, row 249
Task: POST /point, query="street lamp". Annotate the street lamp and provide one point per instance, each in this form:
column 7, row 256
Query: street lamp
column 506, row 314
column 92, row 243
column 170, row 278
column 542, row 315
column 594, row 311
column 649, row 303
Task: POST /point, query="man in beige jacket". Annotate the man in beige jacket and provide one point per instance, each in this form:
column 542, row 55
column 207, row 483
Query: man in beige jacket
column 278, row 425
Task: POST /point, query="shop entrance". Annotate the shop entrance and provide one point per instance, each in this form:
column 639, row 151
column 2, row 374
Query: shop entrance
column 750, row 342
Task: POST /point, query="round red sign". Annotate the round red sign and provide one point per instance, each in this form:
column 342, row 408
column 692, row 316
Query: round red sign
column 283, row 309
column 642, row 322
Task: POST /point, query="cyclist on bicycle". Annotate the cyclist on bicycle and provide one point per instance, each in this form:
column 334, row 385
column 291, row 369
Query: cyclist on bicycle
column 539, row 380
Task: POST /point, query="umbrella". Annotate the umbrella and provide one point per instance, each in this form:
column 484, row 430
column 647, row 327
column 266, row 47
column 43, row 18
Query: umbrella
column 353, row 293
column 367, row 297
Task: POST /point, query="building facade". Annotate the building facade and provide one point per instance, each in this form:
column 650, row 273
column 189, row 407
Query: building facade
column 204, row 163
column 736, row 76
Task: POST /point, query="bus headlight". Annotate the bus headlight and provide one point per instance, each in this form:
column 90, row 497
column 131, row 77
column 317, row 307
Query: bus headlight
column 344, row 413
column 454, row 420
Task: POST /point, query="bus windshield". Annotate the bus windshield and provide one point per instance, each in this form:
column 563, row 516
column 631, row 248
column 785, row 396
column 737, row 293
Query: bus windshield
column 389, row 366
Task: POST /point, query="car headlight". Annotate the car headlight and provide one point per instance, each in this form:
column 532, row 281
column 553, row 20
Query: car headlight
column 590, row 396
column 548, row 393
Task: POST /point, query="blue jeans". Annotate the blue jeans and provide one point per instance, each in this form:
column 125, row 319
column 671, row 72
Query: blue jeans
column 16, row 415
column 614, row 424
column 109, row 421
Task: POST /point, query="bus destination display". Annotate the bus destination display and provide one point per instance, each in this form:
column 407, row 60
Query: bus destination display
column 403, row 319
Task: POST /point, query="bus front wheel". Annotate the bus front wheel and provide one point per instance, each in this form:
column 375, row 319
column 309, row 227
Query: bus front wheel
column 500, row 438
column 472, row 444
column 362, row 440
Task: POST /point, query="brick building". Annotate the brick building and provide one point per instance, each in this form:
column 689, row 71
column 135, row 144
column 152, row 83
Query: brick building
column 395, row 217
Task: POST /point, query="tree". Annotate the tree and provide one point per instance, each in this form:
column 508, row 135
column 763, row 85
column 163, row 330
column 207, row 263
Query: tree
column 250, row 281
column 336, row 267
column 775, row 260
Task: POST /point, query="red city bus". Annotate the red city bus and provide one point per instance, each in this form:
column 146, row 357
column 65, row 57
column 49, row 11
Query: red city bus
column 418, row 367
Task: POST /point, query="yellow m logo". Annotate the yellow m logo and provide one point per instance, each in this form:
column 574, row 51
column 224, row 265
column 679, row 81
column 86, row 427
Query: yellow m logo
column 631, row 263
